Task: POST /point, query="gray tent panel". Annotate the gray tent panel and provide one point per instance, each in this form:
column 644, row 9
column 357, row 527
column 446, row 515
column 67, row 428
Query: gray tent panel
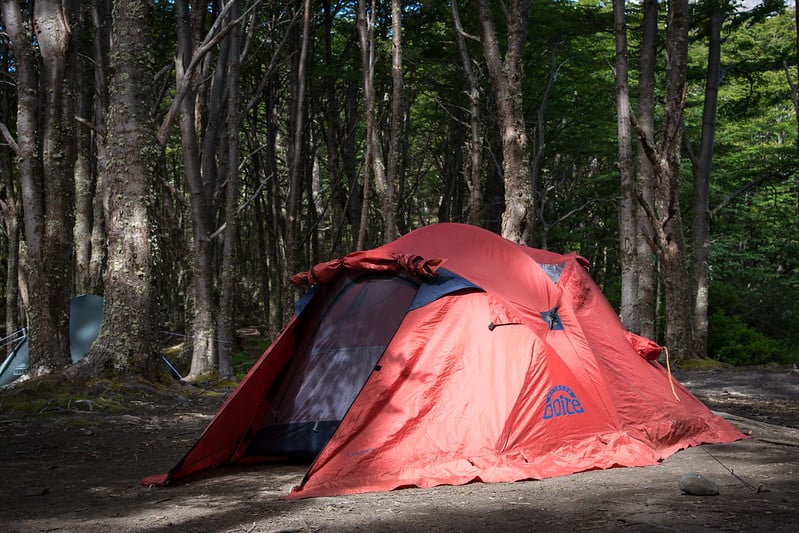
column 15, row 364
column 85, row 319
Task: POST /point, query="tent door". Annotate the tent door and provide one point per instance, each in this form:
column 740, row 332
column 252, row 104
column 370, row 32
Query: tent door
column 341, row 340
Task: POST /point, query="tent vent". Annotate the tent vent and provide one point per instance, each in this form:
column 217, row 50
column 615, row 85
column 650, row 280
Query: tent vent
column 552, row 319
column 553, row 270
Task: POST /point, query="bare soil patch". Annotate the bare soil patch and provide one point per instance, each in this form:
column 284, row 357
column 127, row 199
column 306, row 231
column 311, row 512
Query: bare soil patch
column 77, row 468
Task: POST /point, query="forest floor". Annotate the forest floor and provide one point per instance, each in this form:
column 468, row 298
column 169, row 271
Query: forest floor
column 76, row 465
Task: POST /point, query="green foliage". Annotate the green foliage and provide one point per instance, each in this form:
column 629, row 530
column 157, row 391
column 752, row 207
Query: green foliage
column 242, row 362
column 252, row 347
column 754, row 248
column 732, row 341
column 739, row 326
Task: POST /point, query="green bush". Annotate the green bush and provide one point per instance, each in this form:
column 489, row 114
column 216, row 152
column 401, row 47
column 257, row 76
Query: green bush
column 732, row 341
column 242, row 362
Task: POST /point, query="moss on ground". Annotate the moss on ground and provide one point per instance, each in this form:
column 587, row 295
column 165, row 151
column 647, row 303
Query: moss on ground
column 57, row 394
column 701, row 364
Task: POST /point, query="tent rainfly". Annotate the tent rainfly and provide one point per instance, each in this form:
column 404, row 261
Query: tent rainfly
column 450, row 356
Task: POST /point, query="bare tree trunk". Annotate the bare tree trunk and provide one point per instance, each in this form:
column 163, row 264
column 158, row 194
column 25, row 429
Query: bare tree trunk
column 365, row 25
column 211, row 104
column 627, row 208
column 204, row 356
column 506, row 76
column 540, row 191
column 10, row 208
column 226, row 331
column 702, row 166
column 101, row 22
column 127, row 343
column 46, row 177
column 85, row 183
column 473, row 174
column 57, row 26
column 333, row 133
column 645, row 237
column 397, row 115
column 667, row 220
column 293, row 244
column 10, row 205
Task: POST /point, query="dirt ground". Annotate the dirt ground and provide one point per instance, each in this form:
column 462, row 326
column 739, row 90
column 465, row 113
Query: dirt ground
column 77, row 468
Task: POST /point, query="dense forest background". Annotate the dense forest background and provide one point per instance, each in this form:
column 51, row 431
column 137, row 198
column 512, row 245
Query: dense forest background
column 185, row 158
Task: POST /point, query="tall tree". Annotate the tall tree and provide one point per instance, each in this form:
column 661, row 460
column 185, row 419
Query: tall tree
column 101, row 43
column 473, row 162
column 46, row 169
column 10, row 203
column 201, row 190
column 366, row 39
column 628, row 227
column 200, row 107
column 507, row 76
column 667, row 217
column 645, row 306
column 712, row 15
column 702, row 163
column 226, row 333
column 296, row 160
column 127, row 343
column 395, row 129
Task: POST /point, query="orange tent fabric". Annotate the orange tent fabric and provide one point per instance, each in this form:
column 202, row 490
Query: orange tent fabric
column 467, row 358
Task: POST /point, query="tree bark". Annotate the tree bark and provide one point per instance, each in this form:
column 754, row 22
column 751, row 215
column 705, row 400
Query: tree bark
column 203, row 345
column 226, row 332
column 366, row 38
column 10, row 207
column 46, row 171
column 293, row 244
column 628, row 205
column 702, row 170
column 506, row 77
column 85, row 182
column 645, row 237
column 101, row 22
column 397, row 115
column 473, row 173
column 667, row 219
column 127, row 344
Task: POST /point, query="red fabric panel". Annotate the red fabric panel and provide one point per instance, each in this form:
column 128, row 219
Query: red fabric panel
column 639, row 390
column 455, row 401
column 418, row 423
column 223, row 435
column 646, row 348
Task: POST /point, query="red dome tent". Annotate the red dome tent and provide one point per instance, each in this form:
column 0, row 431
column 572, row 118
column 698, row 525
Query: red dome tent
column 448, row 356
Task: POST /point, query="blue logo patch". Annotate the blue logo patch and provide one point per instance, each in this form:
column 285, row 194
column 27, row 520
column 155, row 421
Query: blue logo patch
column 561, row 401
